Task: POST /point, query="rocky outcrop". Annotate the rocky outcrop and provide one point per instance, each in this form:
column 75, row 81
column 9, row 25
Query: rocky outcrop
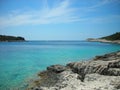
column 107, row 64
column 56, row 68
column 103, row 40
column 101, row 73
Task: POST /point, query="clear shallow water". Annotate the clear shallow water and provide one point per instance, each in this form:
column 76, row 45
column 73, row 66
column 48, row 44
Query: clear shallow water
column 20, row 61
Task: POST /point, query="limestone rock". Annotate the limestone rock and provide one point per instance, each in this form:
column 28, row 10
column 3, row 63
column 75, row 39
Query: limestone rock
column 101, row 73
column 56, row 68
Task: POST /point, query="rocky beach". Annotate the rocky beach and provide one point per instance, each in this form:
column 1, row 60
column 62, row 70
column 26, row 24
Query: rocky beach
column 104, row 41
column 100, row 73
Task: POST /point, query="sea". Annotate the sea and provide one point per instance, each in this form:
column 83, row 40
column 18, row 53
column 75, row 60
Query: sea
column 20, row 62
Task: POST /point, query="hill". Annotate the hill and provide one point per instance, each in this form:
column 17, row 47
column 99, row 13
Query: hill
column 112, row 37
column 11, row 38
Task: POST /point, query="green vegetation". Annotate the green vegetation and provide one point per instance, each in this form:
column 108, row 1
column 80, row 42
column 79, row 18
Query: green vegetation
column 112, row 37
column 11, row 38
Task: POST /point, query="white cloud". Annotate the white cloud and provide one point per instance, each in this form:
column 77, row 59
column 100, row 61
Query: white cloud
column 100, row 3
column 60, row 12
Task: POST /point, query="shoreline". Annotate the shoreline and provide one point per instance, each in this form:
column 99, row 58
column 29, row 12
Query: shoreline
column 102, row 72
column 14, row 41
column 103, row 41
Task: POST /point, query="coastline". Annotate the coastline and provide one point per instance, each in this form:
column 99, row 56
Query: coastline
column 100, row 73
column 103, row 41
column 15, row 41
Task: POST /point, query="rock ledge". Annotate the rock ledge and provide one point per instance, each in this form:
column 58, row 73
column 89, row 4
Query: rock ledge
column 101, row 73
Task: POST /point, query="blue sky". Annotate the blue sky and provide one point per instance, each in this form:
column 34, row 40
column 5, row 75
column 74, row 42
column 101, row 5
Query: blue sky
column 59, row 19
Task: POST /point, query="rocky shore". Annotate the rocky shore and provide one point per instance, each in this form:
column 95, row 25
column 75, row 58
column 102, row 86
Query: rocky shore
column 100, row 73
column 104, row 40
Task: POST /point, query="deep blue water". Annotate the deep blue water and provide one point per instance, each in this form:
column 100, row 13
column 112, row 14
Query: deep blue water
column 21, row 61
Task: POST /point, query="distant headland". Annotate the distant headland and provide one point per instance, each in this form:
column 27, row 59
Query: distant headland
column 114, row 38
column 6, row 38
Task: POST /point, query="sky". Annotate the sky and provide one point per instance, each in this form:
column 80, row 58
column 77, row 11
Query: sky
column 59, row 19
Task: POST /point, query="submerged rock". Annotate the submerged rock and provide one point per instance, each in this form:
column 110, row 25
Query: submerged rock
column 101, row 73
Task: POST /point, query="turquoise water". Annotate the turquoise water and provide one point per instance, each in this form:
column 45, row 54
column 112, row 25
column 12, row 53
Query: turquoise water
column 21, row 61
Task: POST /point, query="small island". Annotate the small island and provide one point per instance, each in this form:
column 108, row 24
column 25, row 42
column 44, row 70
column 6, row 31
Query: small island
column 6, row 38
column 114, row 38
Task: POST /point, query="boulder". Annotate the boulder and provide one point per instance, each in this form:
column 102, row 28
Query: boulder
column 56, row 68
column 115, row 64
column 113, row 72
